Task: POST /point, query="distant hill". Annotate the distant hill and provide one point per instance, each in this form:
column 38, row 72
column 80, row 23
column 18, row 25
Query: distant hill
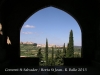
column 77, row 47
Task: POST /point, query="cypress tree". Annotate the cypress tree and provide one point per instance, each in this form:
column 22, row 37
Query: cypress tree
column 52, row 56
column 67, row 51
column 57, row 57
column 46, row 52
column 49, row 61
column 64, row 51
column 71, row 45
column 56, row 54
column 39, row 54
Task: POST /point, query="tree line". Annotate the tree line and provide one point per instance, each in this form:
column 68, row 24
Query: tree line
column 59, row 55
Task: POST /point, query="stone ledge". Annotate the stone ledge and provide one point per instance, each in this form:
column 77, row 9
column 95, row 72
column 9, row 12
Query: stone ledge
column 76, row 62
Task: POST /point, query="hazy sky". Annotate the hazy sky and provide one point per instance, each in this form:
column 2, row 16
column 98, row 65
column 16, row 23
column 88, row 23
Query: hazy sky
column 53, row 24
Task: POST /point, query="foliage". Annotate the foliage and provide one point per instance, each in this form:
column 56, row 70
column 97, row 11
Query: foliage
column 59, row 58
column 77, row 55
column 35, row 44
column 64, row 51
column 52, row 63
column 39, row 54
column 46, row 52
column 70, row 49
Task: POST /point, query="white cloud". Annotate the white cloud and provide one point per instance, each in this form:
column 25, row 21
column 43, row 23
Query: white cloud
column 35, row 33
column 29, row 26
column 27, row 32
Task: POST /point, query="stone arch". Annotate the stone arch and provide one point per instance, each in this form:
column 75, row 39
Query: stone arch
column 87, row 17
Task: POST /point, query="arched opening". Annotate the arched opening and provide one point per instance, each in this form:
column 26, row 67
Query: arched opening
column 53, row 24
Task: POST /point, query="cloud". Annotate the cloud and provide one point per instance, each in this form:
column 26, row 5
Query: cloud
column 27, row 32
column 35, row 33
column 29, row 26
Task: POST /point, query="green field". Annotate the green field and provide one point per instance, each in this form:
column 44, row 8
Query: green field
column 31, row 51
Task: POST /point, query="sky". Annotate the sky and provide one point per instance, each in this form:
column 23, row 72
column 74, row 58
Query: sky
column 53, row 24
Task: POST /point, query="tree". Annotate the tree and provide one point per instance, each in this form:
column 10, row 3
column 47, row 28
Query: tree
column 49, row 61
column 52, row 57
column 39, row 54
column 67, row 51
column 34, row 44
column 58, row 58
column 70, row 49
column 64, row 51
column 46, row 52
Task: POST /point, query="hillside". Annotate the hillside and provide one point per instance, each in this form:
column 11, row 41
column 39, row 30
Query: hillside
column 77, row 47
